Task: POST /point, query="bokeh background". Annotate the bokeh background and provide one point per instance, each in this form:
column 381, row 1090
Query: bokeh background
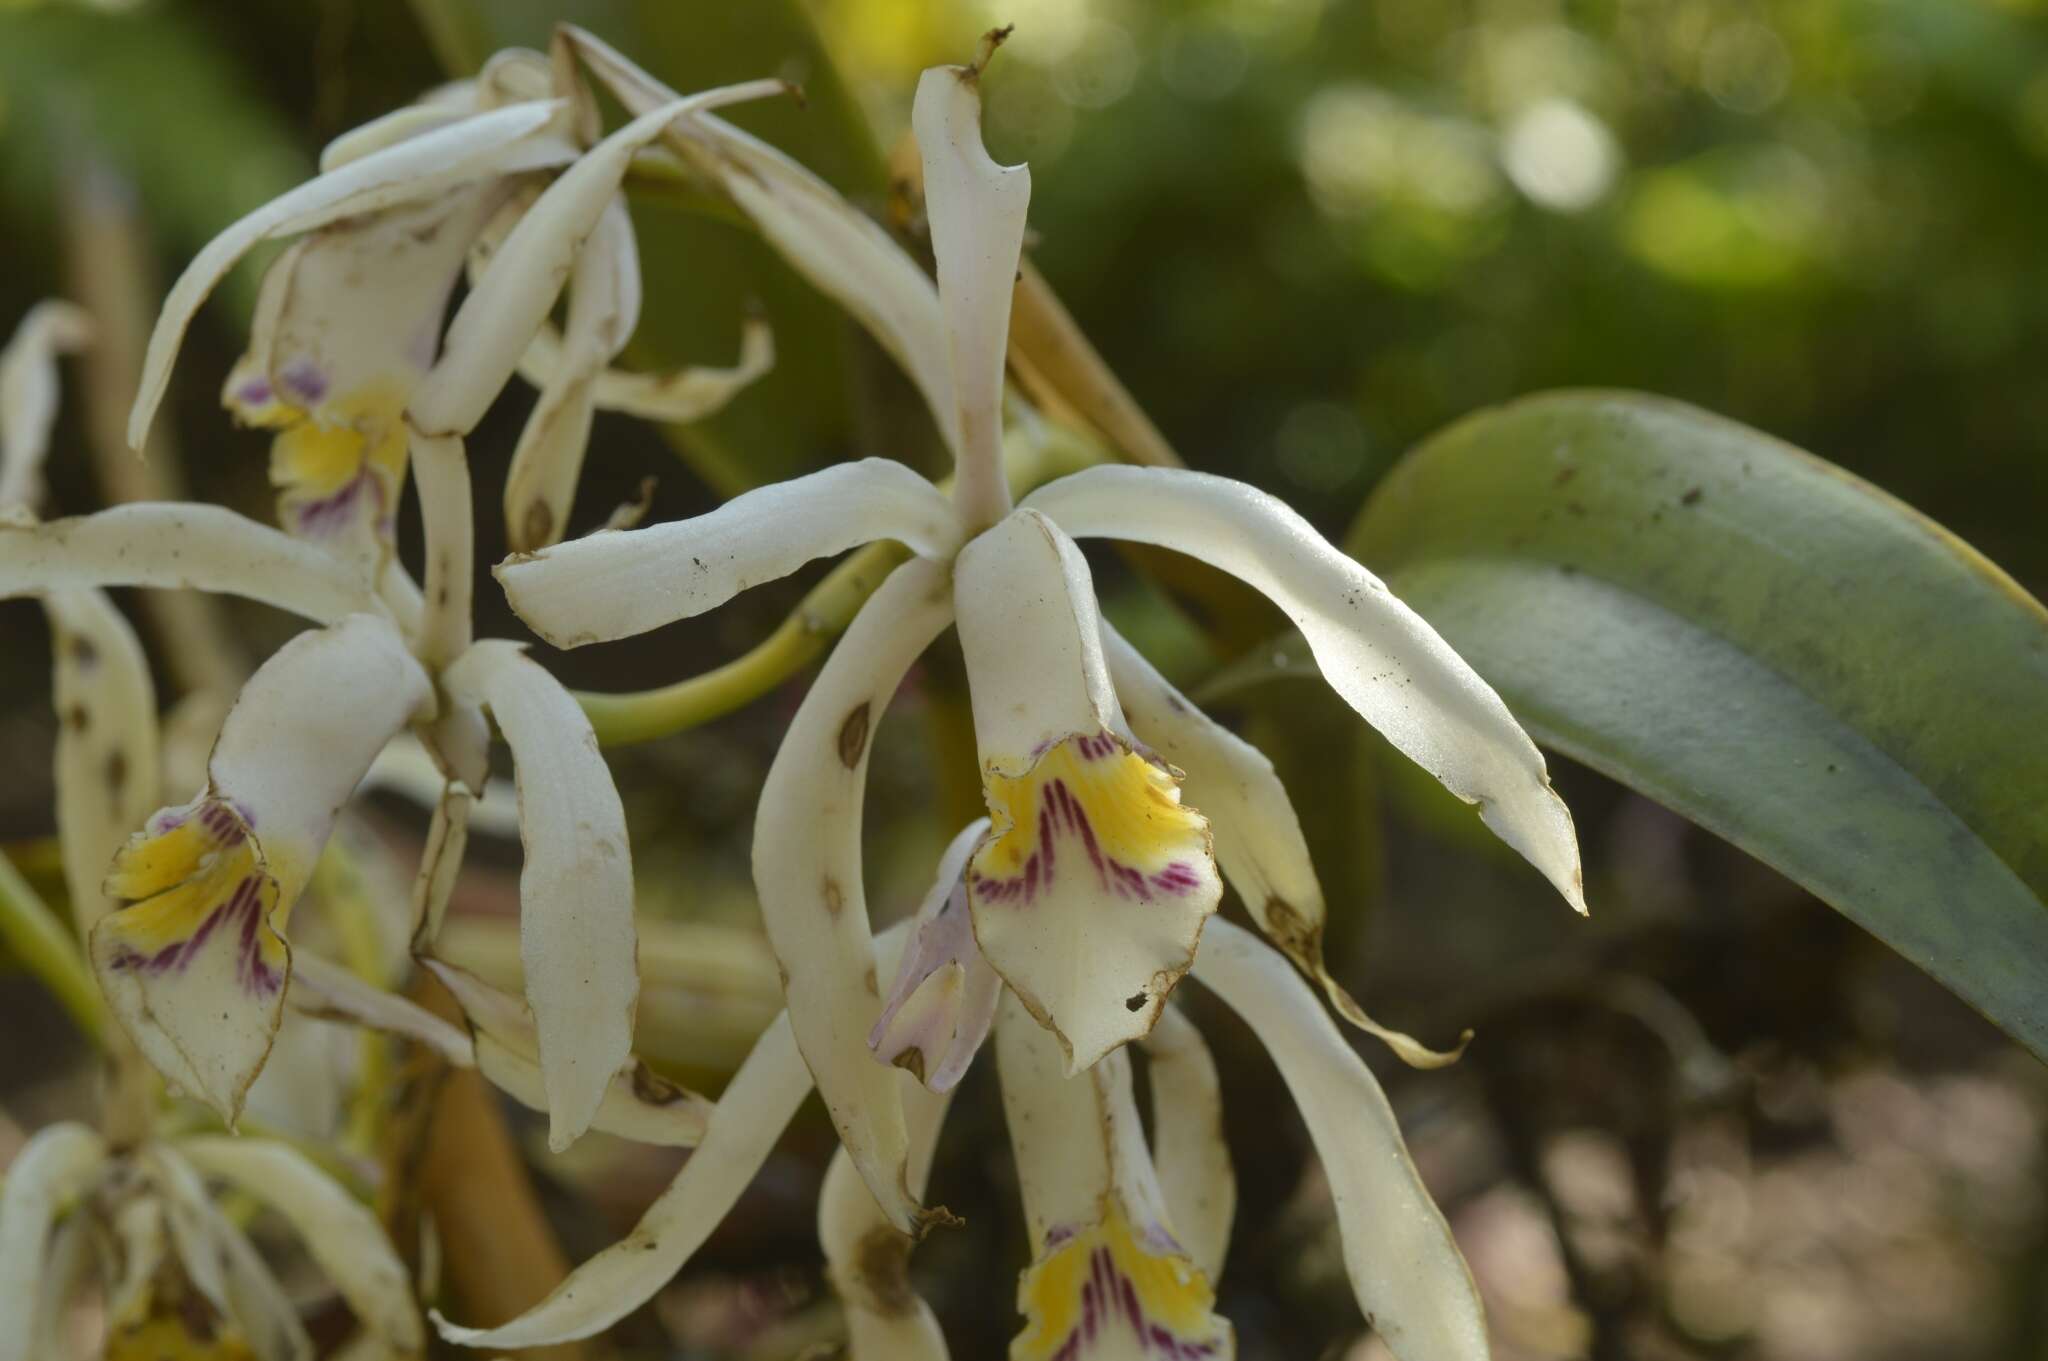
column 1717, row 1120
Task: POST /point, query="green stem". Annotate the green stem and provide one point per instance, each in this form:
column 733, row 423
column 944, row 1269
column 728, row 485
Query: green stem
column 43, row 944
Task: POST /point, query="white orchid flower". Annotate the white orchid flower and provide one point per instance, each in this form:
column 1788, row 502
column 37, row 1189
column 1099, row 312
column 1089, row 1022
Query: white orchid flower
column 1089, row 892
column 1127, row 1237
column 347, row 349
column 80, row 1216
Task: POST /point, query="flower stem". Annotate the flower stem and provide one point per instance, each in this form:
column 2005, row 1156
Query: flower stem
column 43, row 945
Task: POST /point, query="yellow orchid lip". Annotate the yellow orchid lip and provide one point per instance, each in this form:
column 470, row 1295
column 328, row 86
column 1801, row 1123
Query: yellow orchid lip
column 1099, row 1290
column 194, row 873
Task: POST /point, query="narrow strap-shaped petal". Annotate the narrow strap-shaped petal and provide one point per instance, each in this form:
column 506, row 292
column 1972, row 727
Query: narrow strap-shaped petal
column 638, row 1103
column 807, row 869
column 1381, row 656
column 175, row 544
column 576, row 889
column 448, row 511
column 616, row 583
column 324, row 989
column 29, row 395
column 52, row 1169
column 677, row 396
column 1109, row 1281
column 441, row 863
column 868, row 1259
column 1193, row 1160
column 1090, row 890
column 340, row 1233
column 495, row 322
column 845, row 254
column 195, row 968
column 604, row 307
column 221, row 1261
column 944, row 998
column 499, row 142
column 67, row 1267
column 1258, row 837
column 1408, row 1274
column 977, row 210
column 107, row 754
column 760, row 1101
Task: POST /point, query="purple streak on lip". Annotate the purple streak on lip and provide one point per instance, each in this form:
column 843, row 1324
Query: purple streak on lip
column 1108, row 1297
column 303, row 382
column 244, row 906
column 1059, row 813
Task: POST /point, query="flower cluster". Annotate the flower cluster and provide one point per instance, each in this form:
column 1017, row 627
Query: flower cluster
column 1063, row 923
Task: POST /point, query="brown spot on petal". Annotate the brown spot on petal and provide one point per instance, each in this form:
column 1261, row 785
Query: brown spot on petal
column 652, row 1089
column 77, row 719
column 853, row 736
column 911, row 1061
column 83, row 652
column 881, row 1264
column 835, row 897
column 535, row 524
column 117, row 771
column 1291, row 931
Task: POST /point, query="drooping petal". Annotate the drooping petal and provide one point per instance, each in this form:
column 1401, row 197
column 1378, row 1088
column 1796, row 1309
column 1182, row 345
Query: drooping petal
column 638, row 1102
column 222, row 1263
column 845, row 255
column 29, row 395
column 571, row 594
column 500, row 316
column 678, row 396
column 576, row 889
column 944, row 998
column 324, row 989
column 1258, row 837
column 67, row 1267
column 107, row 753
column 340, row 1233
column 441, row 863
column 195, row 968
column 807, row 869
column 604, row 307
column 448, row 511
column 759, row 1102
column 868, row 1259
column 1409, row 1277
column 1188, row 1149
column 52, row 1169
column 1090, row 891
column 1385, row 661
column 1108, row 1280
column 503, row 141
column 977, row 209
column 176, row 544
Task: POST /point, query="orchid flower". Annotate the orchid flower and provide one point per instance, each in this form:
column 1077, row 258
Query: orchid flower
column 1089, row 892
column 1128, row 1238
column 347, row 361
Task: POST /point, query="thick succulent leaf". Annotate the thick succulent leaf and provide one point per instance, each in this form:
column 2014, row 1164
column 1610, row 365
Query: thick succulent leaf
column 173, row 545
column 52, row 1169
column 807, row 869
column 1406, row 1270
column 868, row 1259
column 340, row 1233
column 619, row 582
column 1375, row 651
column 576, row 889
column 1196, row 1177
column 1764, row 643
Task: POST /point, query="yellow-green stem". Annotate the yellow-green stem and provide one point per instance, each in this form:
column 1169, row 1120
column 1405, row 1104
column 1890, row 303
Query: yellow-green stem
column 44, row 946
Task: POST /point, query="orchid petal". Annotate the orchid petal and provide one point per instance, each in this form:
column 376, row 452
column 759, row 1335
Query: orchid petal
column 604, row 307
column 977, row 210
column 576, row 890
column 29, row 395
column 341, row 1234
column 1405, row 1268
column 570, row 595
column 807, row 869
column 222, row 1262
column 449, row 512
column 677, row 396
column 388, row 130
column 441, row 863
column 868, row 1259
column 1196, row 1178
column 1090, row 891
column 55, row 1167
column 499, row 142
column 67, row 1266
column 1108, row 1281
column 1381, row 656
column 944, row 998
column 107, row 751
column 492, row 328
column 323, row 989
column 638, row 1102
column 845, row 255
column 174, row 545
column 1259, row 843
column 195, row 968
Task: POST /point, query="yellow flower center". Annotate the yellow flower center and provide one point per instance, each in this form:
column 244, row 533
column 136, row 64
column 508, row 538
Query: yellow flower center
column 1108, row 1292
column 193, row 876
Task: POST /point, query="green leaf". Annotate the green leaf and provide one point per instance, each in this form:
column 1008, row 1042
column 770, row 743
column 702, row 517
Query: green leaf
column 1762, row 642
column 703, row 272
